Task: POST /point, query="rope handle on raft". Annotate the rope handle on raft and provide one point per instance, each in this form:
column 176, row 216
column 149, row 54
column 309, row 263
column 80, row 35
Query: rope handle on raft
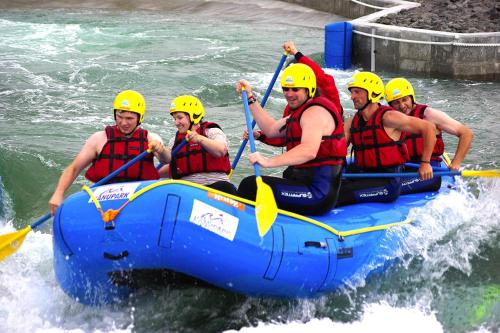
column 109, row 215
column 340, row 234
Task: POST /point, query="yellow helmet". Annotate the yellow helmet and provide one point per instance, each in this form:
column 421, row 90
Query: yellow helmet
column 299, row 76
column 131, row 101
column 370, row 82
column 190, row 105
column 398, row 88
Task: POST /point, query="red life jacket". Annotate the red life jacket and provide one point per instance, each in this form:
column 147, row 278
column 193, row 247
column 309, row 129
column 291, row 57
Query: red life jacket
column 117, row 151
column 333, row 147
column 415, row 142
column 373, row 147
column 277, row 141
column 193, row 158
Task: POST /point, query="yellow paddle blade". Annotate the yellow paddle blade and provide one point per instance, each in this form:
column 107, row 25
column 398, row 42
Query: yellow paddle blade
column 11, row 242
column 230, row 173
column 481, row 173
column 265, row 207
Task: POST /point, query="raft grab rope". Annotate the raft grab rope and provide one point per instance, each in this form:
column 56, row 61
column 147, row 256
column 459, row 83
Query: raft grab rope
column 110, row 215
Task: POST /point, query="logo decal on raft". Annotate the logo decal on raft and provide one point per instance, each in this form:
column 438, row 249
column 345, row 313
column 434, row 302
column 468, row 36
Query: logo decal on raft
column 118, row 191
column 227, row 201
column 213, row 219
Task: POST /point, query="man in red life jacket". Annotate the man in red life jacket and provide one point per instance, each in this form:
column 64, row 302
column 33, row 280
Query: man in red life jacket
column 375, row 134
column 105, row 151
column 205, row 158
column 315, row 141
column 326, row 86
column 400, row 95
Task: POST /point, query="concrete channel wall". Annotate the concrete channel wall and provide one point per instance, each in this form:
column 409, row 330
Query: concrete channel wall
column 474, row 56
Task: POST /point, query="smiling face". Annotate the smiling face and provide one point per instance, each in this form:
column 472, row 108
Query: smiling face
column 126, row 121
column 359, row 97
column 182, row 121
column 403, row 104
column 295, row 97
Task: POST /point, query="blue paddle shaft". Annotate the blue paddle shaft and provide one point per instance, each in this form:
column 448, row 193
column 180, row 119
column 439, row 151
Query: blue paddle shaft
column 40, row 221
column 100, row 182
column 263, row 103
column 174, row 152
column 179, row 147
column 435, row 168
column 122, row 168
column 244, row 96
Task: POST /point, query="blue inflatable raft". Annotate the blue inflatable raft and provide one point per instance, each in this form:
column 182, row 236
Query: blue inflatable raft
column 112, row 239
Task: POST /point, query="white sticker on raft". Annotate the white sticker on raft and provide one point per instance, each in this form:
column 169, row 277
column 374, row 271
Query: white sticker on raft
column 115, row 191
column 214, row 220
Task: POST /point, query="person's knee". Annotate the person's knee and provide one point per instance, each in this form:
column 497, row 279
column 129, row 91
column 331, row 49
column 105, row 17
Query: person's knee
column 247, row 188
column 224, row 186
column 230, row 188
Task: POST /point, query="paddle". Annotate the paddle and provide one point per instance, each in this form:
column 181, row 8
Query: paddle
column 463, row 173
column 265, row 204
column 174, row 152
column 434, row 168
column 446, row 158
column 11, row 242
column 262, row 103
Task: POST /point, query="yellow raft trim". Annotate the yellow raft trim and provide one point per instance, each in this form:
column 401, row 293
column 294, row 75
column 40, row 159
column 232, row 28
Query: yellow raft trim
column 252, row 203
column 92, row 197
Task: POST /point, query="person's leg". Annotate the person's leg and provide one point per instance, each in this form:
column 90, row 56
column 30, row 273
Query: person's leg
column 247, row 188
column 314, row 196
column 224, row 186
column 369, row 189
column 326, row 183
column 416, row 185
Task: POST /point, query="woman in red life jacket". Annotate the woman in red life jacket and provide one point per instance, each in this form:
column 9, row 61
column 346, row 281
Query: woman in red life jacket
column 105, row 151
column 204, row 159
column 375, row 134
column 400, row 95
column 315, row 143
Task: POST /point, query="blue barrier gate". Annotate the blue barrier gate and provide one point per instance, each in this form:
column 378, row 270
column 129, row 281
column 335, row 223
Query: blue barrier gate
column 338, row 45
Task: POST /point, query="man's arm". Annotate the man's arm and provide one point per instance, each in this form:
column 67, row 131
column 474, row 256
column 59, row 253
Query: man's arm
column 162, row 153
column 314, row 118
column 270, row 126
column 402, row 122
column 451, row 126
column 347, row 129
column 87, row 154
column 276, row 142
